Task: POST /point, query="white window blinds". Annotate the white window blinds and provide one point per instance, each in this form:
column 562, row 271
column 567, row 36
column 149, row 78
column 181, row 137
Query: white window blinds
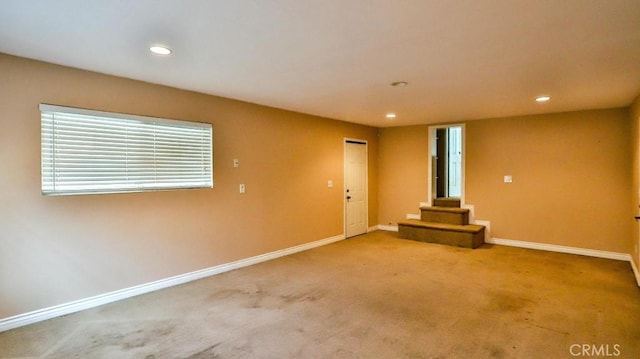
column 86, row 151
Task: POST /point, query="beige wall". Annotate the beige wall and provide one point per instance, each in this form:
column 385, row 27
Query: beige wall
column 634, row 113
column 571, row 177
column 403, row 161
column 572, row 184
column 58, row 249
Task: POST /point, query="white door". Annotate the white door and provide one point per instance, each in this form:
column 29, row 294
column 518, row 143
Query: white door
column 454, row 175
column 355, row 179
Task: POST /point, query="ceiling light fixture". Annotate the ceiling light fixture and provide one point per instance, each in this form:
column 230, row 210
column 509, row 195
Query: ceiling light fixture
column 391, row 115
column 543, row 98
column 399, row 83
column 160, row 50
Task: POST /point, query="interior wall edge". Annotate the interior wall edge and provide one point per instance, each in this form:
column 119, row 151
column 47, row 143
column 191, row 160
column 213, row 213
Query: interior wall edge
column 634, row 116
column 372, row 228
column 636, row 272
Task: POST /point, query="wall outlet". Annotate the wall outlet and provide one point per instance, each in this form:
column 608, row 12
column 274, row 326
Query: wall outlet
column 508, row 179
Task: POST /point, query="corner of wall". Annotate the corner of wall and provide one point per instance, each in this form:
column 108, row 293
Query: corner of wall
column 634, row 113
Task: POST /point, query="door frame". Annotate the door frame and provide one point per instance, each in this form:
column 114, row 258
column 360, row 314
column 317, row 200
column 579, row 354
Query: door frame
column 431, row 183
column 344, row 182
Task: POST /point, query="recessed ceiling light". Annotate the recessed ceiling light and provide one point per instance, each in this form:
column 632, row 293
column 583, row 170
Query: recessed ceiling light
column 543, row 98
column 399, row 83
column 391, row 115
column 160, row 50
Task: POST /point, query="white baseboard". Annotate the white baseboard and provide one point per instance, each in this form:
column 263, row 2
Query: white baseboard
column 87, row 303
column 487, row 228
column 544, row 247
column 413, row 216
column 371, row 229
column 558, row 248
column 425, row 204
column 383, row 227
column 569, row 250
column 561, row 249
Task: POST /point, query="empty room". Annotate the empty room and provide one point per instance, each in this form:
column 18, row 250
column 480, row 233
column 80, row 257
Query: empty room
column 319, row 179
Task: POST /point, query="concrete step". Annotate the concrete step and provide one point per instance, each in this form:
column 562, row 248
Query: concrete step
column 468, row 236
column 448, row 215
column 447, row 202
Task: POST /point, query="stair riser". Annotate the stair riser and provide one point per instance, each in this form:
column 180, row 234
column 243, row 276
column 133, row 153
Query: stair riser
column 432, row 235
column 444, row 217
column 444, row 202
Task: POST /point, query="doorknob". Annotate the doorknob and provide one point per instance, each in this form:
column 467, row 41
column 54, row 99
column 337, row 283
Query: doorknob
column 348, row 198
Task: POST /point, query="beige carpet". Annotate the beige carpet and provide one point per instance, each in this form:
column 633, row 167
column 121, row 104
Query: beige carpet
column 373, row 296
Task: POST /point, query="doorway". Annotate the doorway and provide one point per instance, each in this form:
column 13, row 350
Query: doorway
column 355, row 180
column 446, row 162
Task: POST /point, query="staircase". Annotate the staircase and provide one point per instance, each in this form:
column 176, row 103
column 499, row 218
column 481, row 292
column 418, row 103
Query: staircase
column 444, row 223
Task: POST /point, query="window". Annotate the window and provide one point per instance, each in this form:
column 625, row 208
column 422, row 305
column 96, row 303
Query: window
column 86, row 151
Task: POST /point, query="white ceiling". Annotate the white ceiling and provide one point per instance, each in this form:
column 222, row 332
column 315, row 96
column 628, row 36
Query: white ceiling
column 337, row 58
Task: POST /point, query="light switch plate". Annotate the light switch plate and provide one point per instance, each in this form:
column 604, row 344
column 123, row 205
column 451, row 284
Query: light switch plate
column 242, row 188
column 330, row 183
column 236, row 163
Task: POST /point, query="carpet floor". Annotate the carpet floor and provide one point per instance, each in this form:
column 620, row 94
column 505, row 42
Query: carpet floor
column 372, row 296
